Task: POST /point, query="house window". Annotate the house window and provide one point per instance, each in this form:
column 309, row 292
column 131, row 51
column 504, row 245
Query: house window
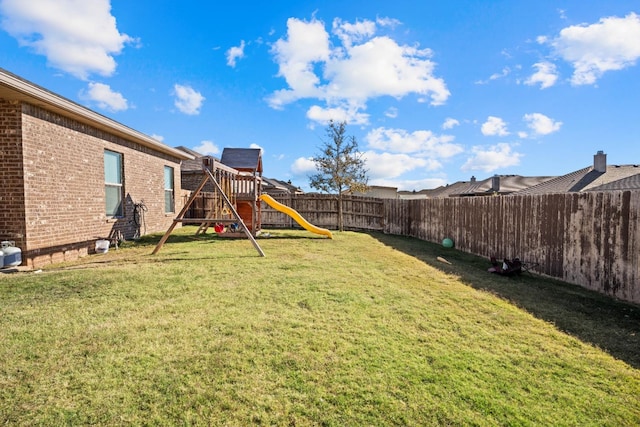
column 113, row 188
column 168, row 190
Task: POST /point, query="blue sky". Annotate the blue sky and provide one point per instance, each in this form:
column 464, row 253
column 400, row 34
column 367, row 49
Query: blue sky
column 434, row 91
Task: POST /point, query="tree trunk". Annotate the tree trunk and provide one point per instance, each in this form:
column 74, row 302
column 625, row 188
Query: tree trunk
column 340, row 220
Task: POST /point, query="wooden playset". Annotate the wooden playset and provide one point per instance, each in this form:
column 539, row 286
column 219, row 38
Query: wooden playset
column 236, row 207
column 236, row 182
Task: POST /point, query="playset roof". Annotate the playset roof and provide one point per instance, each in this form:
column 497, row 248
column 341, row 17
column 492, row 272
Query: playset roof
column 243, row 159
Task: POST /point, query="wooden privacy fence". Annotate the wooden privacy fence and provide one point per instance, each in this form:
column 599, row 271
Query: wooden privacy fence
column 590, row 239
column 359, row 213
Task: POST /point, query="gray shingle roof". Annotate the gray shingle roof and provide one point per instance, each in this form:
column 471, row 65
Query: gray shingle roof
column 193, row 165
column 585, row 179
column 446, row 190
column 629, row 183
column 243, row 159
column 276, row 185
column 508, row 184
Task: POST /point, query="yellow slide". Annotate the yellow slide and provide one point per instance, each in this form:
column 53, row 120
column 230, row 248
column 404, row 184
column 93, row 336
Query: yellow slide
column 295, row 215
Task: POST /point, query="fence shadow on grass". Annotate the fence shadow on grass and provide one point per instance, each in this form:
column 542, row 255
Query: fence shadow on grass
column 608, row 324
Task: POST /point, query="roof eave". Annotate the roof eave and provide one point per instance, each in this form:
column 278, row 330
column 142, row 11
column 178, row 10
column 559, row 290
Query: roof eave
column 14, row 87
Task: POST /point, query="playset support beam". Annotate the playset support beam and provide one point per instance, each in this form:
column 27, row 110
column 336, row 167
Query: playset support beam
column 180, row 218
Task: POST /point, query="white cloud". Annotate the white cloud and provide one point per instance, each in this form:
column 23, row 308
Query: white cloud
column 254, row 145
column 353, row 68
column 492, row 158
column 541, row 124
column 307, row 43
column 422, row 142
column 337, row 114
column 387, row 22
column 381, row 67
column 208, row 148
column 78, row 37
column 388, row 165
column 349, row 33
column 450, row 123
column 392, row 112
column 187, row 99
column 157, row 137
column 106, row 98
column 495, row 76
column 504, row 73
column 409, row 184
column 562, row 14
column 303, row 166
column 235, row 53
column 494, row 126
column 546, row 75
column 610, row 44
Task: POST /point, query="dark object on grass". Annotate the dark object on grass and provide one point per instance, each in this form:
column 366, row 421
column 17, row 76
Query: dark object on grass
column 507, row 267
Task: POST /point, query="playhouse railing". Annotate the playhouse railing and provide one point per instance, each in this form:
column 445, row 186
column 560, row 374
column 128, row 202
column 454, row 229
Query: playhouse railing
column 240, row 185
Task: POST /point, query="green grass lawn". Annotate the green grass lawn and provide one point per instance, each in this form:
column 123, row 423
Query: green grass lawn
column 364, row 329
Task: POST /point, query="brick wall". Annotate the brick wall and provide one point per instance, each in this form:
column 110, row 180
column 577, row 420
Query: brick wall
column 12, row 224
column 64, row 197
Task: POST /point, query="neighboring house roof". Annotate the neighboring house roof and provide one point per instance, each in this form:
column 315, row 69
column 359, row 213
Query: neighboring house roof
column 629, row 183
column 13, row 87
column 446, row 190
column 470, row 189
column 195, row 164
column 194, row 153
column 243, row 159
column 588, row 179
column 379, row 191
column 275, row 185
column 412, row 195
column 501, row 184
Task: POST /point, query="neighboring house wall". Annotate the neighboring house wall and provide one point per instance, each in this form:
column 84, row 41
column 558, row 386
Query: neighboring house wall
column 379, row 192
column 192, row 179
column 62, row 211
column 191, row 172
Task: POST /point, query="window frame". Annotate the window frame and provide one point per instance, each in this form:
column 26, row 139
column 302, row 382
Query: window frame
column 169, row 190
column 118, row 210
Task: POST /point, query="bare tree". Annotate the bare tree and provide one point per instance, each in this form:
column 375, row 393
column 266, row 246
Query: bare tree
column 340, row 166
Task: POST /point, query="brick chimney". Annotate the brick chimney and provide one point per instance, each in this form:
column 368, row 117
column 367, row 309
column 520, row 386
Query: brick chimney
column 600, row 162
column 495, row 183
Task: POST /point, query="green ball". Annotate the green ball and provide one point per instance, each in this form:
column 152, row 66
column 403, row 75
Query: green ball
column 447, row 243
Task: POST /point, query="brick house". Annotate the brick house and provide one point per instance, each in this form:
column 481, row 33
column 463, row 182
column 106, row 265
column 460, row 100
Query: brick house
column 70, row 176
